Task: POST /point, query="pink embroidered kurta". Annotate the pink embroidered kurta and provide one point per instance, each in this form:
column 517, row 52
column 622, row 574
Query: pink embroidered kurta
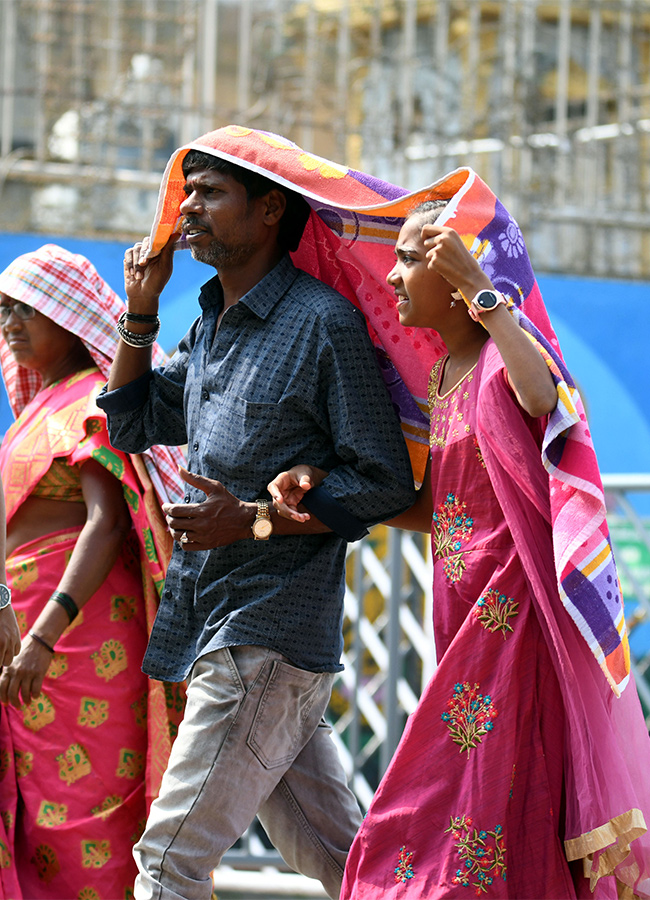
column 474, row 801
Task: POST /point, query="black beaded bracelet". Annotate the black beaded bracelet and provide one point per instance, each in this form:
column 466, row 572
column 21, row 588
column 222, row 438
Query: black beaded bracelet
column 67, row 603
column 144, row 318
column 133, row 338
column 39, row 640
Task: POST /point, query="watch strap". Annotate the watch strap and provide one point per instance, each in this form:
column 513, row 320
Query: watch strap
column 263, row 515
column 263, row 511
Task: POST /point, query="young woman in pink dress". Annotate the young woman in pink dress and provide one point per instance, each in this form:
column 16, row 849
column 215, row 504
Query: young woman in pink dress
column 515, row 777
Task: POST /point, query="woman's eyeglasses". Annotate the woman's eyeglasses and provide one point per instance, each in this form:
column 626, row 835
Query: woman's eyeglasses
column 22, row 310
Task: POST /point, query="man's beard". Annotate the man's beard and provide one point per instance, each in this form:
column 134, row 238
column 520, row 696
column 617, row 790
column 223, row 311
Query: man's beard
column 221, row 255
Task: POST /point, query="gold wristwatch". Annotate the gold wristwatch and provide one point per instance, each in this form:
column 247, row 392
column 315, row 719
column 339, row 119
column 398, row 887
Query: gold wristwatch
column 262, row 527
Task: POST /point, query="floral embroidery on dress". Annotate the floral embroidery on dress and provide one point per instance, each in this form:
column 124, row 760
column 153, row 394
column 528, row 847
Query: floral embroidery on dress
column 469, row 716
column 450, row 527
column 404, row 869
column 482, row 860
column 493, row 610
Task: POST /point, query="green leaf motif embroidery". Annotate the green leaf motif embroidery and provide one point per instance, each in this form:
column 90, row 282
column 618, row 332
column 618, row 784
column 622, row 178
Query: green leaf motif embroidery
column 482, row 854
column 469, row 716
column 493, row 610
column 149, row 546
column 450, row 527
column 404, row 870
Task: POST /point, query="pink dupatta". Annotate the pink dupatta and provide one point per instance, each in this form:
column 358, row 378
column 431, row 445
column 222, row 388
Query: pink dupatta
column 607, row 748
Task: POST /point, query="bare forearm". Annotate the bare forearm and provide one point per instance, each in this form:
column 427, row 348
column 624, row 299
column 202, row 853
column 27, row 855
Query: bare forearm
column 418, row 517
column 129, row 364
column 93, row 557
column 96, row 549
column 3, row 537
column 290, row 526
column 411, row 520
column 528, row 372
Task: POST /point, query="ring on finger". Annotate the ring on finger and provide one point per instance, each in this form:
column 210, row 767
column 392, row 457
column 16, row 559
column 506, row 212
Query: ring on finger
column 184, row 538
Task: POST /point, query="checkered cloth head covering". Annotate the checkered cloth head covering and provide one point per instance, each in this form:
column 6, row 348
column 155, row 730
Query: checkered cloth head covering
column 67, row 288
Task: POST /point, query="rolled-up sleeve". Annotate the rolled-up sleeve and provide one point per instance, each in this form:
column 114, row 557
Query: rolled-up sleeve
column 372, row 480
column 149, row 410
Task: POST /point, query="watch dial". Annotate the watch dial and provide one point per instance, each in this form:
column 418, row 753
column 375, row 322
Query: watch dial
column 486, row 299
column 263, row 528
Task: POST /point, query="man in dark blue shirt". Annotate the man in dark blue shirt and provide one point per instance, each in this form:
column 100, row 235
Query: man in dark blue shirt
column 277, row 370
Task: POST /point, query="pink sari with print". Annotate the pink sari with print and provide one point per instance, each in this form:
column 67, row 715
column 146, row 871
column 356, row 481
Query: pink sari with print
column 80, row 765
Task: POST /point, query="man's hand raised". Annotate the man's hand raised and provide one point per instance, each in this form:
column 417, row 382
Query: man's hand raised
column 145, row 277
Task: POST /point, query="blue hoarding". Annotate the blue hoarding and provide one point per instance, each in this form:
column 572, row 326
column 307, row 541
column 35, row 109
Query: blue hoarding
column 600, row 324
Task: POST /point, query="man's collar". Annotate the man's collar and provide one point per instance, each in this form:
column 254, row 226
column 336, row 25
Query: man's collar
column 262, row 297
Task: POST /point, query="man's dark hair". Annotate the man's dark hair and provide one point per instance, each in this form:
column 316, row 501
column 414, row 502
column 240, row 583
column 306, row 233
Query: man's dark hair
column 294, row 218
column 429, row 210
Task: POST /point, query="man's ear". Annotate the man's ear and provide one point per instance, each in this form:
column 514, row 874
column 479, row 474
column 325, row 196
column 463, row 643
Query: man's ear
column 275, row 205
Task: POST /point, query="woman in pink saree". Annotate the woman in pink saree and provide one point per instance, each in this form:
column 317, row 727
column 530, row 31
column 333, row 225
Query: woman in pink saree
column 521, row 774
column 84, row 735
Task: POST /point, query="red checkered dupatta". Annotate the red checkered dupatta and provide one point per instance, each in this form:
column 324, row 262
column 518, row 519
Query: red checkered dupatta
column 67, row 288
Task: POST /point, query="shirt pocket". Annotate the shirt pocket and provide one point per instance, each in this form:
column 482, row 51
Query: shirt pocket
column 242, row 433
